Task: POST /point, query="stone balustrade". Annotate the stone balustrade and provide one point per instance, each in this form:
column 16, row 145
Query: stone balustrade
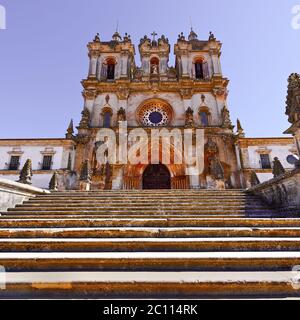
column 282, row 192
column 13, row 193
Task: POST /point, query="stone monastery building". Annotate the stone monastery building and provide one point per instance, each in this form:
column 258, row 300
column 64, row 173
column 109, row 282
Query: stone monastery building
column 150, row 95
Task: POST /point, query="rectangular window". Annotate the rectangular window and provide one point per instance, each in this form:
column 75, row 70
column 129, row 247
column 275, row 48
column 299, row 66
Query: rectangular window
column 14, row 163
column 265, row 161
column 47, row 163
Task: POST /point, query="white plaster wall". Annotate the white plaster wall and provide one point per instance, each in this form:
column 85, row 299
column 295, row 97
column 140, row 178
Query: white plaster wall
column 263, row 177
column 276, row 151
column 211, row 103
column 34, row 153
column 100, row 103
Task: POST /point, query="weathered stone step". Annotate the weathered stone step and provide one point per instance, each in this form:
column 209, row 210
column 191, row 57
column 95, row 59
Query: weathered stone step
column 64, row 216
column 149, row 285
column 150, row 245
column 132, row 208
column 142, row 232
column 144, row 198
column 35, row 222
column 150, row 261
column 141, row 213
column 36, row 205
column 140, row 201
column 154, row 191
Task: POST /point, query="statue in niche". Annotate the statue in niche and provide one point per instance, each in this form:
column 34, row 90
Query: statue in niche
column 121, row 115
column 215, row 168
column 154, row 69
column 189, row 117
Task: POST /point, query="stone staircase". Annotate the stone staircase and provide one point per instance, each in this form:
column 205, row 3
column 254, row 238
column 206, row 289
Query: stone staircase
column 148, row 244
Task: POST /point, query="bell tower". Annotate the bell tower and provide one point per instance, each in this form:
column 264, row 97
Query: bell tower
column 154, row 57
column 112, row 60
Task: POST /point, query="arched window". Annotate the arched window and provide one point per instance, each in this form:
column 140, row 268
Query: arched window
column 108, row 69
column 201, row 69
column 107, row 116
column 205, row 116
column 154, row 65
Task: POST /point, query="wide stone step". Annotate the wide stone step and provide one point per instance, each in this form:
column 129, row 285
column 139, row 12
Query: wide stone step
column 35, row 222
column 133, row 208
column 142, row 213
column 150, row 285
column 149, row 261
column 141, row 198
column 64, row 216
column 177, row 201
column 142, row 232
column 150, row 245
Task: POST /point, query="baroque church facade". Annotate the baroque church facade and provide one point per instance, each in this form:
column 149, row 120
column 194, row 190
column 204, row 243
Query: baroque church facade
column 153, row 96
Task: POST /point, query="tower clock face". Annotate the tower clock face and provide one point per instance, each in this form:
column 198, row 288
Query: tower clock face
column 155, row 114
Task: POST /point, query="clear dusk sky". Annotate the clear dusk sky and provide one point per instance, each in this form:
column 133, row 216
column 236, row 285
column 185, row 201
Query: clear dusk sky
column 43, row 55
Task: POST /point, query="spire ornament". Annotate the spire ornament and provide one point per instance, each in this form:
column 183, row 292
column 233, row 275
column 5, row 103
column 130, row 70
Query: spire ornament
column 69, row 166
column 278, row 169
column 70, row 130
column 227, row 124
column 85, row 119
column 85, row 172
column 254, row 181
column 53, row 184
column 26, row 173
column 240, row 130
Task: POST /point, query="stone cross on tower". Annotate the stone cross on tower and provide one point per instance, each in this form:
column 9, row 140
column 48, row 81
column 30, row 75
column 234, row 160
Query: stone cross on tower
column 153, row 34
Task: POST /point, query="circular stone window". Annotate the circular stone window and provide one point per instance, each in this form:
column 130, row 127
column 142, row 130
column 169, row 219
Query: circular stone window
column 155, row 114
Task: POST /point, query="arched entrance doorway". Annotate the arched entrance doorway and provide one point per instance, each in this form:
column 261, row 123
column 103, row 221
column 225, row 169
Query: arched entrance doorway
column 156, row 176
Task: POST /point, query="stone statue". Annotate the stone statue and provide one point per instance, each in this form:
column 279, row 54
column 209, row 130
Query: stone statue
column 215, row 168
column 278, row 169
column 189, row 117
column 121, row 114
column 97, row 38
column 293, row 99
column 26, row 173
column 211, row 148
column 211, row 36
column 154, row 69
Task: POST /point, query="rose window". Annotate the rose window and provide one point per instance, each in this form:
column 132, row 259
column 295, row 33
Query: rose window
column 155, row 114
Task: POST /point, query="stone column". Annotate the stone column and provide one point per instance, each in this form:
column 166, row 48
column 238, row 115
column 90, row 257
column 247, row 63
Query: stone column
column 93, row 55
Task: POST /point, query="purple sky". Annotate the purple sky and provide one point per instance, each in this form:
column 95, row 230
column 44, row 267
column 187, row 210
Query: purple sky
column 43, row 55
